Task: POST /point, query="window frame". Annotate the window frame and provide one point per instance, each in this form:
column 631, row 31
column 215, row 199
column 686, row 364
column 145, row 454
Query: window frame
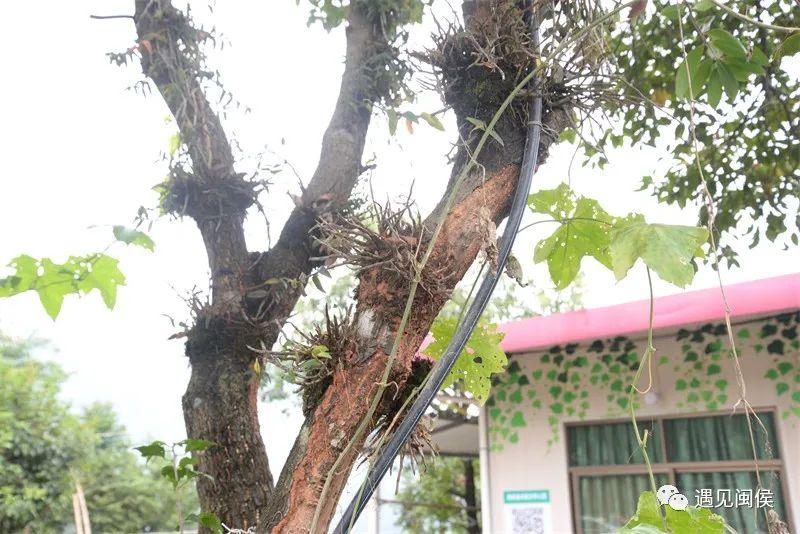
column 672, row 469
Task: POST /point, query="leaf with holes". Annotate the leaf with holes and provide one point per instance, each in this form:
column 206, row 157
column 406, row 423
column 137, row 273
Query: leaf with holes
column 584, row 231
column 481, row 358
column 104, row 276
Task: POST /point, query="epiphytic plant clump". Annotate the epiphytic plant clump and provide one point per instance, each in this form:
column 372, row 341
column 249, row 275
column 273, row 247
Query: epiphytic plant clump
column 382, row 240
column 182, row 194
column 311, row 361
column 480, row 64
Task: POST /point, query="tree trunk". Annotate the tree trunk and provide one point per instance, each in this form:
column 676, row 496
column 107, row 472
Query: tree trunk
column 470, row 499
column 220, row 405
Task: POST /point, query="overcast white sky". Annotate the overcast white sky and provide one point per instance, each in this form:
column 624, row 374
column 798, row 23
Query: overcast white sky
column 79, row 150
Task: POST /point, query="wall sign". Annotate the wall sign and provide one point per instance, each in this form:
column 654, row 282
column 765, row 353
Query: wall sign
column 527, row 511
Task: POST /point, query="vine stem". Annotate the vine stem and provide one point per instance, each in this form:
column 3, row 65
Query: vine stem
column 647, row 357
column 419, row 267
column 742, row 16
column 710, row 207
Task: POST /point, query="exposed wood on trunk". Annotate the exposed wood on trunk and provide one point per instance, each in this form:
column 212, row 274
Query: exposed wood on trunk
column 380, row 301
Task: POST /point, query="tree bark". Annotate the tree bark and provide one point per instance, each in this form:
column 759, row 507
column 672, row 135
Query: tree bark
column 470, row 497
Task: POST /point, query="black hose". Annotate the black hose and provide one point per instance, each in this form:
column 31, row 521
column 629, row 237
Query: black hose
column 443, row 366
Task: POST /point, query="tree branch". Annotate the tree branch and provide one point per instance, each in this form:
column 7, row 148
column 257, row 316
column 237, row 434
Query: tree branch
column 213, row 194
column 337, row 171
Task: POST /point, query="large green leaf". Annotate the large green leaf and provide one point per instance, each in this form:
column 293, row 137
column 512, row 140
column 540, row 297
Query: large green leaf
column 693, row 520
column 666, row 249
column 482, row 356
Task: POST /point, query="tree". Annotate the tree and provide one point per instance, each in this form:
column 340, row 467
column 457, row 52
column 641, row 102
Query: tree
column 45, row 449
column 356, row 369
column 443, row 500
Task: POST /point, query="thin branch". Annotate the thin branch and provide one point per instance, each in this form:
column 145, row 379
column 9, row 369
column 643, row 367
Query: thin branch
column 742, row 16
column 107, row 17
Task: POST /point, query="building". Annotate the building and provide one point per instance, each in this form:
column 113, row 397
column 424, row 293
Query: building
column 557, row 446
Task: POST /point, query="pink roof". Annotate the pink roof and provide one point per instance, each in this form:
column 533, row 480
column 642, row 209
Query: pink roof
column 759, row 297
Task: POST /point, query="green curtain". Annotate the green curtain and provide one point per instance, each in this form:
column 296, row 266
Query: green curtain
column 741, row 518
column 611, row 444
column 719, row 438
column 607, row 502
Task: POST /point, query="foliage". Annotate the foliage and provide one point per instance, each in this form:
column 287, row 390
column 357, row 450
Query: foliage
column 482, row 356
column 754, row 170
column 131, row 236
column 178, row 468
column 45, row 448
column 78, row 275
column 648, row 519
column 441, row 484
column 586, row 229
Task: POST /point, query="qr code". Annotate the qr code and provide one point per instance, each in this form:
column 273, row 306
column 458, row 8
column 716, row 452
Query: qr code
column 527, row 521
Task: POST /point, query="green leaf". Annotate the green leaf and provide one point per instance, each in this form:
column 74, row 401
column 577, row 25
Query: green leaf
column 174, row 143
column 647, row 513
column 703, row 5
column 168, row 472
column 393, row 119
column 714, row 92
column 477, row 123
column 692, row 60
column 55, row 282
column 726, row 43
column 26, row 271
column 432, row 120
column 693, row 520
column 104, row 276
column 210, row 521
column 481, row 358
column 781, row 388
column 194, row 445
column 789, row 47
column 666, row 249
column 131, row 236
column 728, row 80
column 518, row 420
column 153, row 450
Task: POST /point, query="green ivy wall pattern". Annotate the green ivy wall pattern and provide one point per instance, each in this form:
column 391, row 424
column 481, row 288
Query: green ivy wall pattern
column 567, row 380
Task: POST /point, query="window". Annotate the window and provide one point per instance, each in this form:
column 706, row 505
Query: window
column 694, row 453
